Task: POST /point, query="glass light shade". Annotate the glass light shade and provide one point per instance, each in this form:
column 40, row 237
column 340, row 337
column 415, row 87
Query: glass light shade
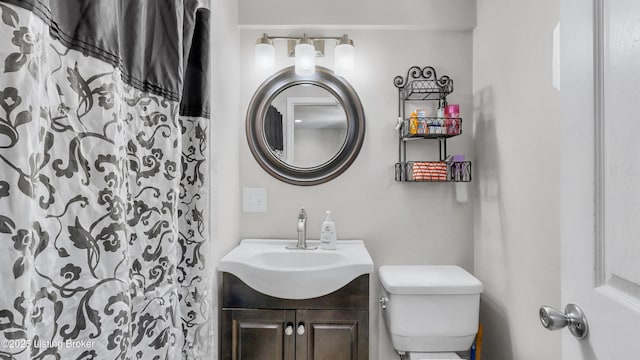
column 344, row 58
column 305, row 59
column 265, row 56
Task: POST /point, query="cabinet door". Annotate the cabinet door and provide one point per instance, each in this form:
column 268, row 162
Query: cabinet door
column 332, row 335
column 249, row 334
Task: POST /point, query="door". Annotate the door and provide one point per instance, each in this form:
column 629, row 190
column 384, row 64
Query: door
column 600, row 178
column 332, row 335
column 250, row 334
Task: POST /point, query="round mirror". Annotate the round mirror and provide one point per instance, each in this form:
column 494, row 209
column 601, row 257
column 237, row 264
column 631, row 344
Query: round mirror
column 305, row 130
column 305, row 126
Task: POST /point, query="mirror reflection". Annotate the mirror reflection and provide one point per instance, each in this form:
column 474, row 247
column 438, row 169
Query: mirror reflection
column 305, row 126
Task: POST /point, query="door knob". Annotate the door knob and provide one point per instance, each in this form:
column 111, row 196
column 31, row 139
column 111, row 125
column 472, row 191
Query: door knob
column 301, row 329
column 289, row 329
column 573, row 318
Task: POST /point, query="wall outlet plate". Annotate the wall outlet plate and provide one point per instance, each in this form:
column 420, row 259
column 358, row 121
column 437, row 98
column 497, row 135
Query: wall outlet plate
column 254, row 199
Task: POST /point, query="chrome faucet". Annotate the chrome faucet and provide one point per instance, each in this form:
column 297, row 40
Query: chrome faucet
column 302, row 233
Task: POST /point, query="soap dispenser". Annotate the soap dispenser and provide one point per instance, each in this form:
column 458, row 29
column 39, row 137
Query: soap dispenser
column 328, row 236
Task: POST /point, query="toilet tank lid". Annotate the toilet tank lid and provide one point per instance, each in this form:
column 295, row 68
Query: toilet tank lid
column 428, row 279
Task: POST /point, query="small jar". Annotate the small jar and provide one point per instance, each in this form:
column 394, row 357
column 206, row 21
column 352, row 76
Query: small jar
column 452, row 112
column 457, row 165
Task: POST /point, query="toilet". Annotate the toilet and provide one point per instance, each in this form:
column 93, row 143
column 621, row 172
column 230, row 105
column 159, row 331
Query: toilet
column 431, row 311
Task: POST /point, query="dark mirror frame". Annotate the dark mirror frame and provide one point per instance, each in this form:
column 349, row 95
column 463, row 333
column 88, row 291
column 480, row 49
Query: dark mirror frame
column 257, row 140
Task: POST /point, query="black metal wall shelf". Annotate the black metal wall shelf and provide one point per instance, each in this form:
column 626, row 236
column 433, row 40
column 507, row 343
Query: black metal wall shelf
column 426, row 90
column 433, row 171
column 437, row 128
column 423, row 84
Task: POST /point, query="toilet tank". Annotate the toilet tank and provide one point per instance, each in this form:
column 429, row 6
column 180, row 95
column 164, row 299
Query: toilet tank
column 430, row 308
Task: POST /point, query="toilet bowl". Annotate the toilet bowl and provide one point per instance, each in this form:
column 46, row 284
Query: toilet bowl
column 431, row 311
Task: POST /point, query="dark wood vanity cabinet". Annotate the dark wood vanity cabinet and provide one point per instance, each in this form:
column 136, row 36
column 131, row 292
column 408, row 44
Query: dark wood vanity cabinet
column 332, row 335
column 331, row 327
column 255, row 334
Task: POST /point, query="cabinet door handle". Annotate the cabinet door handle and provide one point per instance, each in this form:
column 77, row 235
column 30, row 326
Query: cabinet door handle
column 289, row 329
column 301, row 329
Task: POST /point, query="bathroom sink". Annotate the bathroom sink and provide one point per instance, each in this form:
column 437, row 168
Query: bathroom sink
column 269, row 267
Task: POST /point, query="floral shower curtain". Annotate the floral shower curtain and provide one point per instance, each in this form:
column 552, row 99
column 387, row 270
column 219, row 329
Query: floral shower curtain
column 103, row 186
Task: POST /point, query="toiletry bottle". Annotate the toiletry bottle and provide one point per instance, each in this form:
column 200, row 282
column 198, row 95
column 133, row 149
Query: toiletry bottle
column 440, row 112
column 422, row 121
column 328, row 234
column 413, row 123
column 447, row 120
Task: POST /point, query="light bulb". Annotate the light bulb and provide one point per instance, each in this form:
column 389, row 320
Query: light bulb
column 265, row 53
column 305, row 57
column 344, row 57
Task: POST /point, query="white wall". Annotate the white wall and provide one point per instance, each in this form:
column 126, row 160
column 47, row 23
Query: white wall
column 225, row 131
column 224, row 137
column 401, row 223
column 314, row 147
column 434, row 15
column 517, row 139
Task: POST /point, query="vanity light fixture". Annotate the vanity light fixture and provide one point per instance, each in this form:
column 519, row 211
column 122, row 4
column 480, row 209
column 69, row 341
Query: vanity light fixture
column 306, row 49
